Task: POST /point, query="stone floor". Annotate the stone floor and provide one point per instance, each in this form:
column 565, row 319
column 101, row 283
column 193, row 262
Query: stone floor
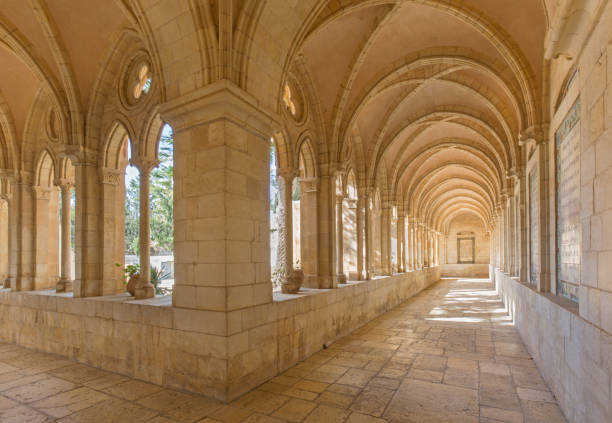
column 449, row 354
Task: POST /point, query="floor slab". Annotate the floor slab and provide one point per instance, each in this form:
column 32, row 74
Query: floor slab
column 449, row 354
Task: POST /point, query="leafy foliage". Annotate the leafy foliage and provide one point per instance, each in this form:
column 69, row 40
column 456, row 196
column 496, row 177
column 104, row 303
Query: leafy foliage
column 162, row 190
column 161, row 204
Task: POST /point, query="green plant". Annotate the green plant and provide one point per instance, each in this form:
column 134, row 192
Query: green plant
column 129, row 271
column 156, row 275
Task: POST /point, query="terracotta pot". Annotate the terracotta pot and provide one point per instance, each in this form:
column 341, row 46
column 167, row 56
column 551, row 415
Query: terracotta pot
column 294, row 282
column 132, row 283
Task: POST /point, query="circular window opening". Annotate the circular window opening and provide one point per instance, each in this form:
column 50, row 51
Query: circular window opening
column 144, row 82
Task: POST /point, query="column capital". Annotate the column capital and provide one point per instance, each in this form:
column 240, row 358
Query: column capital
column 309, row 184
column 109, row 176
column 288, row 174
column 41, row 193
column 222, row 100
column 535, row 133
column 63, row 184
column 144, row 165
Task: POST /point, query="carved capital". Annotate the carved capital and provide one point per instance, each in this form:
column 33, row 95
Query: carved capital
column 288, row 174
column 144, row 165
column 536, row 133
column 64, row 184
column 109, row 176
column 41, row 193
column 309, row 185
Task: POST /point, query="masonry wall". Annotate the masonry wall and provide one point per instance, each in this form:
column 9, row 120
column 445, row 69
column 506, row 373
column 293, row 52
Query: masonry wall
column 573, row 355
column 450, row 270
column 155, row 342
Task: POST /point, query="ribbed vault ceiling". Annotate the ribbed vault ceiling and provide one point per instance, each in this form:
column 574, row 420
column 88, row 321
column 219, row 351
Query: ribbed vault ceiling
column 434, row 97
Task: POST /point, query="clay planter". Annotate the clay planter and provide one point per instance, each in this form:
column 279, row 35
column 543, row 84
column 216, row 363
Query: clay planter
column 140, row 289
column 294, row 282
column 132, row 283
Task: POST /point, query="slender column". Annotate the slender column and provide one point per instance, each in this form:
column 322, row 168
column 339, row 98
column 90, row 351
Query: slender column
column 368, row 237
column 145, row 223
column 400, row 243
column 65, row 282
column 361, row 204
column 339, row 241
column 417, row 245
column 287, row 176
column 386, row 240
column 411, row 229
column 421, row 251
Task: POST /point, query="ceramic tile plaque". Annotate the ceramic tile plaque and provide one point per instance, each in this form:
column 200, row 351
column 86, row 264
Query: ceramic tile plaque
column 567, row 157
column 534, row 233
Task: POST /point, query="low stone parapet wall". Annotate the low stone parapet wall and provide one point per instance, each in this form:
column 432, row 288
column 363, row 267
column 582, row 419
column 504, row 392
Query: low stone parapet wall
column 222, row 355
column 464, row 270
column 573, row 355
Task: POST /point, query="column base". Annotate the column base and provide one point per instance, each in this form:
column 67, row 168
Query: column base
column 63, row 286
column 144, row 291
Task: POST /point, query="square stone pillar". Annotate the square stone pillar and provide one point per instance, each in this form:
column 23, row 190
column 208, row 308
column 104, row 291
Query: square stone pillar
column 88, row 230
column 45, row 227
column 24, row 247
column 4, row 240
column 308, row 231
column 222, row 289
column 327, row 228
column 360, row 226
column 400, row 244
column 113, row 224
column 367, row 234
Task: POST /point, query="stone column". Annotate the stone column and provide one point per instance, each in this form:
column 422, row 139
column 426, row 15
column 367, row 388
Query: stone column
column 400, row 243
column 386, row 240
column 24, row 202
column 368, row 236
column 422, row 246
column 11, row 228
column 286, row 187
column 411, row 247
column 65, row 282
column 41, row 228
column 4, row 240
column 308, row 231
column 145, row 289
column 436, row 249
column 113, row 224
column 88, row 231
column 361, row 205
column 222, row 235
column 341, row 277
column 350, row 237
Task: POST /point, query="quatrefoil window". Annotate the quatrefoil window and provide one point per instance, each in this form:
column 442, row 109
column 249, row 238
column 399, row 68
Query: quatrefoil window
column 144, row 82
column 289, row 101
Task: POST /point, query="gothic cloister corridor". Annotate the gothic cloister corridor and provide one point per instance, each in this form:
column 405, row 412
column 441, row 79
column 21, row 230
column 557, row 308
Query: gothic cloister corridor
column 318, row 210
column 450, row 354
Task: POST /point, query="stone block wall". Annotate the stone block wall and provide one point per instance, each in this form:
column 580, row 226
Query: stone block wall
column 176, row 347
column 450, row 270
column 573, row 355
